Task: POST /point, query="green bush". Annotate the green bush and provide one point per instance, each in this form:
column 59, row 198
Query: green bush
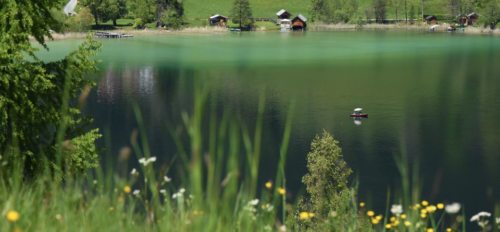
column 80, row 153
column 328, row 196
column 139, row 23
column 172, row 20
column 81, row 22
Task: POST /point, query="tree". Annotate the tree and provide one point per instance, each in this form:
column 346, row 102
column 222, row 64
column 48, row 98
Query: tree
column 170, row 13
column 116, row 9
column 380, row 10
column 242, row 13
column 412, row 13
column 35, row 110
column 320, row 10
column 143, row 10
column 489, row 13
column 104, row 10
column 327, row 175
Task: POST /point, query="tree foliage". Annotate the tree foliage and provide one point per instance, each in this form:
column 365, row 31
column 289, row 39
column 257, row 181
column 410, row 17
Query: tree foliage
column 143, row 10
column 241, row 13
column 380, row 10
column 171, row 13
column 489, row 13
column 105, row 10
column 327, row 176
column 328, row 196
column 33, row 94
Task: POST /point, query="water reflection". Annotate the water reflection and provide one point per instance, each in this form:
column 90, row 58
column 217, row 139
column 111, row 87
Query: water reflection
column 357, row 121
column 128, row 81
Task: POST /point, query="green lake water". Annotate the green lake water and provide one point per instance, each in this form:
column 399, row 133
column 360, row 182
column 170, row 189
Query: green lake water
column 435, row 97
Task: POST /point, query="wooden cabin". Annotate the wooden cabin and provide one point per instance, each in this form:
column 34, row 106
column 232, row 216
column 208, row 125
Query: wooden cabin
column 282, row 14
column 431, row 19
column 218, row 20
column 299, row 23
column 472, row 18
column 462, row 20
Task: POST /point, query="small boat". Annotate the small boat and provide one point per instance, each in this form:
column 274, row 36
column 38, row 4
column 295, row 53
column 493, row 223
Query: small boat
column 358, row 113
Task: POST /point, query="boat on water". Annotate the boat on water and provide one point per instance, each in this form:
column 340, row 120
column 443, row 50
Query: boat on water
column 358, row 113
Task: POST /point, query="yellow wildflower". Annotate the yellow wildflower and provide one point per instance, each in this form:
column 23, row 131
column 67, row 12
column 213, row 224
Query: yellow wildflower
column 429, row 230
column 281, row 191
column 448, row 229
column 423, row 215
column 311, row 215
column 392, row 219
column 370, row 213
column 425, row 203
column 269, row 184
column 127, row 189
column 361, row 204
column 416, row 206
column 388, row 226
column 440, row 206
column 379, row 217
column 395, row 223
column 423, row 211
column 304, row 215
column 403, row 216
column 375, row 221
column 407, row 223
column 12, row 216
column 431, row 208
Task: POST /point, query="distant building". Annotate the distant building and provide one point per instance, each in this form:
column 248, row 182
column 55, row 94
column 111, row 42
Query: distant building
column 472, row 18
column 282, row 14
column 299, row 23
column 462, row 20
column 217, row 20
column 430, row 19
column 285, row 24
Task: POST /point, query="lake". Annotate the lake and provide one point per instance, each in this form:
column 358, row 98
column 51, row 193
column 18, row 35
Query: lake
column 432, row 96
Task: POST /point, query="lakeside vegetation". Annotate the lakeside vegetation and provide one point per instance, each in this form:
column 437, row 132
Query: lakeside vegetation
column 176, row 14
column 50, row 179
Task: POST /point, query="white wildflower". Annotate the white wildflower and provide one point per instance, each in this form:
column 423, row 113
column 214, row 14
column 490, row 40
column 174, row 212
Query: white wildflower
column 136, row 192
column 145, row 161
column 267, row 207
column 497, row 220
column 167, row 179
column 179, row 194
column 397, row 209
column 479, row 216
column 254, row 202
column 163, row 191
column 134, row 172
column 282, row 228
column 95, row 182
column 452, row 208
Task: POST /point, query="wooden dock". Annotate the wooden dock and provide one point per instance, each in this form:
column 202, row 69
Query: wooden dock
column 111, row 35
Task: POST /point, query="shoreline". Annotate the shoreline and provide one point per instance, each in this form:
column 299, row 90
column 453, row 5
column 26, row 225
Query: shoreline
column 313, row 27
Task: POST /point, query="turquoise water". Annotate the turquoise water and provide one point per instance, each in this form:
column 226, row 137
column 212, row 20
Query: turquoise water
column 435, row 97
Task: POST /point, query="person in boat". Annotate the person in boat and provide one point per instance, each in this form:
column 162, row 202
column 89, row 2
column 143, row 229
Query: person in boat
column 358, row 112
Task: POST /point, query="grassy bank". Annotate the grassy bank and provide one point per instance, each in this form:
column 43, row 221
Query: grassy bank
column 273, row 28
